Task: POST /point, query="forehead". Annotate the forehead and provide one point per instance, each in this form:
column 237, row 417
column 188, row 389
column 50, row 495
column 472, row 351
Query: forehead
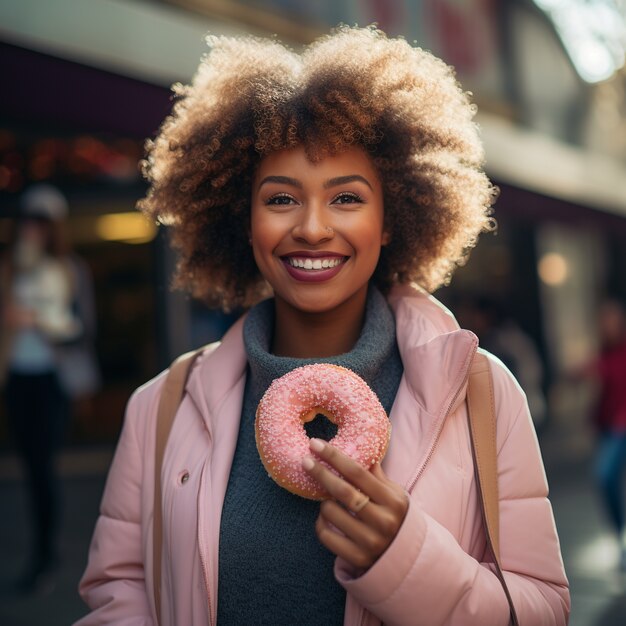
column 295, row 163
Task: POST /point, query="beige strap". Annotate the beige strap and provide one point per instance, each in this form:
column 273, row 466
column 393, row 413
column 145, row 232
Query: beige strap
column 482, row 422
column 483, row 434
column 171, row 397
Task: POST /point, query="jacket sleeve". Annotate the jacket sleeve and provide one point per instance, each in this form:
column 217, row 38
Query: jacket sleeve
column 425, row 577
column 114, row 585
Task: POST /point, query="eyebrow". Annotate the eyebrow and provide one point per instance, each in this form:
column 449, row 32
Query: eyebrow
column 282, row 180
column 332, row 182
column 342, row 180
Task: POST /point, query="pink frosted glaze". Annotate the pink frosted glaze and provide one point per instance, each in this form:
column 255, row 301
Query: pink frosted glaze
column 363, row 428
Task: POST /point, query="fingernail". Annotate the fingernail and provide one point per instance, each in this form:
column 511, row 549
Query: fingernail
column 308, row 463
column 317, row 445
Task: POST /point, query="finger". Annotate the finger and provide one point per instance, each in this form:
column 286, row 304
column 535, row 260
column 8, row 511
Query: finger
column 354, row 473
column 341, row 545
column 361, row 533
column 377, row 471
column 397, row 497
column 335, row 485
column 384, row 521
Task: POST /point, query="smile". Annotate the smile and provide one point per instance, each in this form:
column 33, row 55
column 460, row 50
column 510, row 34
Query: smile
column 314, row 269
column 314, row 264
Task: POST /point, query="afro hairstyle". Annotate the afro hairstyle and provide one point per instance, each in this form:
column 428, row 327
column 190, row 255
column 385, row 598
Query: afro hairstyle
column 354, row 87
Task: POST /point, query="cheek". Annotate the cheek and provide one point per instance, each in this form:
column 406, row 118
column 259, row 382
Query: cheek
column 372, row 233
column 262, row 239
column 259, row 230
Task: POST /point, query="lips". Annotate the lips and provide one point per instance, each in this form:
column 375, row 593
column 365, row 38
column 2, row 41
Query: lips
column 313, row 266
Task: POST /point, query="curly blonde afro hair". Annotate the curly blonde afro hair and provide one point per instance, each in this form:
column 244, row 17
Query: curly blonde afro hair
column 355, row 87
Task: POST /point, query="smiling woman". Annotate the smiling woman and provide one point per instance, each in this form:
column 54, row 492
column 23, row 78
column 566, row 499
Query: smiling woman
column 316, row 231
column 253, row 98
column 341, row 185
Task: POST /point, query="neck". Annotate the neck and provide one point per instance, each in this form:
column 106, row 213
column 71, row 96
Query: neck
column 304, row 335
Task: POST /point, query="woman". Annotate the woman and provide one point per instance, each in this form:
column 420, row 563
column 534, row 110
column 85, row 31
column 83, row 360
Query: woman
column 36, row 296
column 332, row 180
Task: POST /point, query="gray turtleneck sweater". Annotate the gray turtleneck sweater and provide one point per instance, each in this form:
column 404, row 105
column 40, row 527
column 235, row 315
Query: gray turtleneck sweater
column 272, row 568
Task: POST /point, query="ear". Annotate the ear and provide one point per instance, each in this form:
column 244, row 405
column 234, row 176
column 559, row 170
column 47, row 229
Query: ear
column 386, row 238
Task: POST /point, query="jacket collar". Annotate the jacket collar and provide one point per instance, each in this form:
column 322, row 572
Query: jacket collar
column 221, row 368
column 436, row 355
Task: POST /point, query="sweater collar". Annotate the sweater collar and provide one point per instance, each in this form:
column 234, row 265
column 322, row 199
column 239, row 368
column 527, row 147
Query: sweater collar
column 372, row 349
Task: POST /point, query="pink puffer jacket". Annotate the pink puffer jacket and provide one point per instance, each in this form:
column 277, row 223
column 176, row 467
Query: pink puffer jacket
column 431, row 574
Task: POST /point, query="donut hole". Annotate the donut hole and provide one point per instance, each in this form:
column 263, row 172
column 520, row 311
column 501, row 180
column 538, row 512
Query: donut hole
column 320, row 427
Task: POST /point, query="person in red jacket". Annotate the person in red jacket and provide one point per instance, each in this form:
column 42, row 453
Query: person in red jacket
column 610, row 414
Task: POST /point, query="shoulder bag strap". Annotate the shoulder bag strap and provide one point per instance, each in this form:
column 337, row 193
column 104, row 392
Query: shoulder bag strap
column 482, row 422
column 171, row 397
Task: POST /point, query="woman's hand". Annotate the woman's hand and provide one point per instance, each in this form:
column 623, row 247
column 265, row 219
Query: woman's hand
column 365, row 512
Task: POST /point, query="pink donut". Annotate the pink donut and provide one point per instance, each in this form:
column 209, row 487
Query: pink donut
column 363, row 429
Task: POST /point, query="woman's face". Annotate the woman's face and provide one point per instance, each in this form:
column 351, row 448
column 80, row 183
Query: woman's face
column 317, row 228
column 32, row 236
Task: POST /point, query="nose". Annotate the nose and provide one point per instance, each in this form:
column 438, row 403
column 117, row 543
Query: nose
column 312, row 226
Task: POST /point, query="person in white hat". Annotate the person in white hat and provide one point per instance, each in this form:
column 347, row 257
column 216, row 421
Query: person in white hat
column 37, row 291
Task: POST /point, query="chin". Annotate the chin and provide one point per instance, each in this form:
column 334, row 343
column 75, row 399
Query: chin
column 319, row 303
column 313, row 307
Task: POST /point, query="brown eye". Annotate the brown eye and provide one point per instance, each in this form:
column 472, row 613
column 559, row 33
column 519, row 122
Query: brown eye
column 280, row 199
column 347, row 197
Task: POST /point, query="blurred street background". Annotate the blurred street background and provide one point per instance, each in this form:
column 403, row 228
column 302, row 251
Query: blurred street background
column 85, row 82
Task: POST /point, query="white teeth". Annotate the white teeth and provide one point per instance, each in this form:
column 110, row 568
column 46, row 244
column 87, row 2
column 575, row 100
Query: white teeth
column 314, row 264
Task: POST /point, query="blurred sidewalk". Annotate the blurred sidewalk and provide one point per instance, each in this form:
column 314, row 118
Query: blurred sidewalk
column 57, row 603
column 590, row 553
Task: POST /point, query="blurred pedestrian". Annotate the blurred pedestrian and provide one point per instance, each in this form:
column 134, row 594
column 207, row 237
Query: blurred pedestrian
column 609, row 369
column 41, row 326
column 317, row 189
